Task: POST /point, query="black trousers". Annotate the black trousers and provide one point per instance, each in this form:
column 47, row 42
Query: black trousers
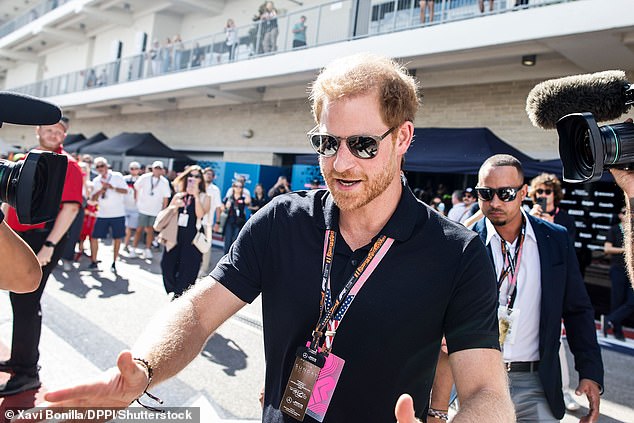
column 180, row 267
column 27, row 313
column 73, row 235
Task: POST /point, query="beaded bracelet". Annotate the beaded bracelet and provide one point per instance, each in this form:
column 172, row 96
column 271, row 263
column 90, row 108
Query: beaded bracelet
column 150, row 373
column 439, row 414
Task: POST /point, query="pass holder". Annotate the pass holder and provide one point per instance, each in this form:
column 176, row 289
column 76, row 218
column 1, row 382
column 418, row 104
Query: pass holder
column 183, row 219
column 507, row 320
column 304, row 375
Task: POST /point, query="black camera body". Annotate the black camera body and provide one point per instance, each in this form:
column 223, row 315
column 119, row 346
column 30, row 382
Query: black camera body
column 34, row 186
column 586, row 149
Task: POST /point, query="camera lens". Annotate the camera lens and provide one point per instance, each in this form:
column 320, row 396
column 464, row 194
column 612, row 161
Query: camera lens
column 8, row 180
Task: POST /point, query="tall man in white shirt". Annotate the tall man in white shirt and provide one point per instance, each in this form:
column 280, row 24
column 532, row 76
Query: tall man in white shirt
column 152, row 194
column 109, row 190
column 539, row 283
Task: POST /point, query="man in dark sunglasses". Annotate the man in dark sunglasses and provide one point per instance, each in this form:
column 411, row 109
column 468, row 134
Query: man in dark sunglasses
column 364, row 253
column 539, row 284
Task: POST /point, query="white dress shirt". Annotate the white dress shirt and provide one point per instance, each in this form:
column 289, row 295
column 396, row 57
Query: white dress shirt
column 525, row 346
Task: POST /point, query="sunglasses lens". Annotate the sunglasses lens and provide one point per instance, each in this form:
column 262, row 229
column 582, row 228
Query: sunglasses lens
column 363, row 147
column 507, row 194
column 324, row 144
column 485, row 194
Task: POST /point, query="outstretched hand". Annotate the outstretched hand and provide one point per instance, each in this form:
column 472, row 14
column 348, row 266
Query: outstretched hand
column 116, row 388
column 591, row 389
column 404, row 410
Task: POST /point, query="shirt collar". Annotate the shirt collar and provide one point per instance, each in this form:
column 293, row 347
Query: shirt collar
column 401, row 224
column 491, row 232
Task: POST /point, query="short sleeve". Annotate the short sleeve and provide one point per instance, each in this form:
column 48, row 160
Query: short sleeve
column 240, row 270
column 73, row 183
column 471, row 317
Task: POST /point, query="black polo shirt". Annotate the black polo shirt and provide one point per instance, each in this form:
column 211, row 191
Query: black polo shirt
column 436, row 279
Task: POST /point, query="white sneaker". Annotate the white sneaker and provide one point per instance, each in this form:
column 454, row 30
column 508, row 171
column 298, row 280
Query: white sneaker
column 67, row 265
column 571, row 404
column 148, row 254
column 132, row 253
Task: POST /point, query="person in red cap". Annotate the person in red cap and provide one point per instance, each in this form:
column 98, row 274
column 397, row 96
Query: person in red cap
column 47, row 240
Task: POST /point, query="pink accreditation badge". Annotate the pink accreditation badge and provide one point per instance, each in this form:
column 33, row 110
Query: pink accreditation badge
column 325, row 387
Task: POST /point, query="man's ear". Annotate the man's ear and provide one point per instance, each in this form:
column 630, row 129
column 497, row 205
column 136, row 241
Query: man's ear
column 404, row 137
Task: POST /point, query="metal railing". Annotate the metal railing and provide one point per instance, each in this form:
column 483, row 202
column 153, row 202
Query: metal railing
column 30, row 15
column 327, row 23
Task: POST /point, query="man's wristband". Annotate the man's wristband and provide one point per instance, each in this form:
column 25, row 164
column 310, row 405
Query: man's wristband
column 439, row 414
column 51, row 244
column 150, row 373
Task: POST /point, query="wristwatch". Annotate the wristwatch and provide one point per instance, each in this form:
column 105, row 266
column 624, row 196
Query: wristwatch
column 48, row 243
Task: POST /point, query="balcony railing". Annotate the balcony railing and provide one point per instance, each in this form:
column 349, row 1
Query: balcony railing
column 328, row 23
column 29, row 16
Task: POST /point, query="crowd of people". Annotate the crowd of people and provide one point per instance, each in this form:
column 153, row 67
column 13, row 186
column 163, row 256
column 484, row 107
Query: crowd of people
column 499, row 279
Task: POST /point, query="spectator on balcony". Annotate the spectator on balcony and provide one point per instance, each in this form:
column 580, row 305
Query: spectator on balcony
column 154, row 58
column 231, row 39
column 165, row 53
column 103, row 78
column 424, row 6
column 198, row 55
column 178, row 52
column 481, row 4
column 91, row 79
column 269, row 28
column 299, row 33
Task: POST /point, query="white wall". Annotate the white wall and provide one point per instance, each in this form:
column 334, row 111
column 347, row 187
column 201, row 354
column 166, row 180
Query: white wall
column 24, row 73
column 65, row 60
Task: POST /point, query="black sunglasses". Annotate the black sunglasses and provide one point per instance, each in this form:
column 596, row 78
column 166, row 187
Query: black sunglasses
column 361, row 146
column 505, row 194
column 544, row 191
column 196, row 175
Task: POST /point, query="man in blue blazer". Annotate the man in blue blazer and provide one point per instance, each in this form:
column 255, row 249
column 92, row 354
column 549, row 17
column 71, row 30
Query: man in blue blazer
column 539, row 283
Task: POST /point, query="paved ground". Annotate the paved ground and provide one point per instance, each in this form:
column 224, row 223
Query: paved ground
column 90, row 316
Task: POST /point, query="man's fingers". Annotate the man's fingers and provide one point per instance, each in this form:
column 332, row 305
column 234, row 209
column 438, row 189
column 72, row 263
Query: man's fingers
column 72, row 396
column 404, row 409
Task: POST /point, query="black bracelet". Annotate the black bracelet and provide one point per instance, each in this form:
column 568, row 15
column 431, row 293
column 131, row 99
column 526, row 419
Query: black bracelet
column 150, row 373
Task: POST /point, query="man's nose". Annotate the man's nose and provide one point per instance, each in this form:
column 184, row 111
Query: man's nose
column 344, row 159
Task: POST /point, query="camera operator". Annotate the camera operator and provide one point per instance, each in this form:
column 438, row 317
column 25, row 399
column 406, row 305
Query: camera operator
column 21, row 271
column 47, row 240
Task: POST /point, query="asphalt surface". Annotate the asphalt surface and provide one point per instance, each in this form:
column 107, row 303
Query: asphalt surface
column 90, row 316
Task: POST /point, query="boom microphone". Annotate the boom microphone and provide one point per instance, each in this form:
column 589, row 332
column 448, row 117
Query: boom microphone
column 22, row 109
column 607, row 95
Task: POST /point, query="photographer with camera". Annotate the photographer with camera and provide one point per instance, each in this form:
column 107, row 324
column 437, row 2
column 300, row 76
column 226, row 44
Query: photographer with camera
column 47, row 240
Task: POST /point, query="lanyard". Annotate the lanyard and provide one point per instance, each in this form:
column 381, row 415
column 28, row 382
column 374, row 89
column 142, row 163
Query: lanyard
column 187, row 201
column 152, row 185
column 511, row 266
column 331, row 313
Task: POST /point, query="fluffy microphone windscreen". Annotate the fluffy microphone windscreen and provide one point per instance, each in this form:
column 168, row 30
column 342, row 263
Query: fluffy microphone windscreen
column 22, row 109
column 601, row 93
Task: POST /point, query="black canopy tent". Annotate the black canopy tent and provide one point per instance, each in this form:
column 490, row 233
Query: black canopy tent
column 73, row 138
column 138, row 144
column 463, row 150
column 78, row 146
